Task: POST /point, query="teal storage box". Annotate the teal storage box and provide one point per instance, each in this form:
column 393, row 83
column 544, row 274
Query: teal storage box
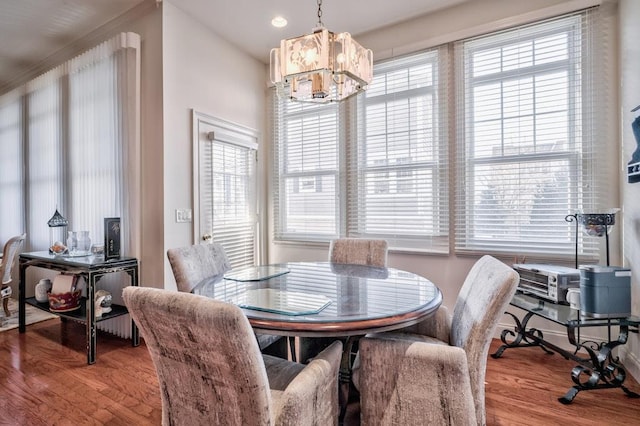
column 605, row 291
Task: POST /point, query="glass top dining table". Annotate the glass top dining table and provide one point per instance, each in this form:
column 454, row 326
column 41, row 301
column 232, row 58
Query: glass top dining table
column 316, row 299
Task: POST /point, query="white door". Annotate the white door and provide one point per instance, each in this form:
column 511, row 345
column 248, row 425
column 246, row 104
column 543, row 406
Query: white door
column 225, row 188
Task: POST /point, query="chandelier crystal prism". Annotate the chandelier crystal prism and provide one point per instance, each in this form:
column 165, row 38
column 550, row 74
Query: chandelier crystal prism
column 320, row 67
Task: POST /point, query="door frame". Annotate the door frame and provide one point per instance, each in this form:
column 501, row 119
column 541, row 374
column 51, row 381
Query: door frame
column 234, row 133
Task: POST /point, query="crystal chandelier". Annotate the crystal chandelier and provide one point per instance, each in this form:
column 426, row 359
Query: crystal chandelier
column 321, row 67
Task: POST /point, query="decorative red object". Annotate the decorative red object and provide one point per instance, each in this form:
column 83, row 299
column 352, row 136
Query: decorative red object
column 64, row 302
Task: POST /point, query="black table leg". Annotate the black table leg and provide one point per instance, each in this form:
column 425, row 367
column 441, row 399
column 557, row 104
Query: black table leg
column 598, row 370
column 521, row 336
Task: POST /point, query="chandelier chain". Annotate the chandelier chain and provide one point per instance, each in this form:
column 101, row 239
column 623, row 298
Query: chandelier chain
column 320, row 24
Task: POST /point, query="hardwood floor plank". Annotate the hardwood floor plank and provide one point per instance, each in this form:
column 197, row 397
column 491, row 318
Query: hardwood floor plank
column 524, row 385
column 45, row 380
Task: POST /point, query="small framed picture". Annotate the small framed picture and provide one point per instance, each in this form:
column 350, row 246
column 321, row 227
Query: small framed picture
column 111, row 238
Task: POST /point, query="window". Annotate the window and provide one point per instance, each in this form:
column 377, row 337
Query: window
column 234, row 201
column 45, row 163
column 398, row 186
column 307, row 170
column 74, row 128
column 11, row 170
column 524, row 151
column 525, row 148
column 390, row 184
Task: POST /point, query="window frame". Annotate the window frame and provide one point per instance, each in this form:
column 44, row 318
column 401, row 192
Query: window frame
column 432, row 236
column 576, row 155
column 283, row 174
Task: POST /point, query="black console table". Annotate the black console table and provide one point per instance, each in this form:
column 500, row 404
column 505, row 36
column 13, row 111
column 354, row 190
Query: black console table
column 597, row 367
column 91, row 268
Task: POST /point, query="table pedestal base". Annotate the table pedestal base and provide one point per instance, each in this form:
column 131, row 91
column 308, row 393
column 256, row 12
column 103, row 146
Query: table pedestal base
column 310, row 347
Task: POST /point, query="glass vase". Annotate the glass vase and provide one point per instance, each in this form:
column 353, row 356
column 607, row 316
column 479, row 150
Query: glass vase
column 84, row 242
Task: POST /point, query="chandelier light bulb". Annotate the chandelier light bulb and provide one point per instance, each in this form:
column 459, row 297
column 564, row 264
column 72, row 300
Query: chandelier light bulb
column 310, row 56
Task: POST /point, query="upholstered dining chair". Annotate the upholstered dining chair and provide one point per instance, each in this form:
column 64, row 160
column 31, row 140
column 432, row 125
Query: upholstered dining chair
column 191, row 265
column 211, row 371
column 11, row 248
column 358, row 251
column 433, row 373
column 346, row 251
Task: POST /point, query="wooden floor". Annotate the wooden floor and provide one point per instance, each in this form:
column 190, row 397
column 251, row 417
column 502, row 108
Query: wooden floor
column 44, row 380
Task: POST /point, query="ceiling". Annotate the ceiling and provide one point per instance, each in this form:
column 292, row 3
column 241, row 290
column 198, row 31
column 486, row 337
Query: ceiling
column 247, row 23
column 32, row 30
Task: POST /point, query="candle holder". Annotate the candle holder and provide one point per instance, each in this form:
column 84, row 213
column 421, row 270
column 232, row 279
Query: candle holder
column 593, row 225
column 57, row 233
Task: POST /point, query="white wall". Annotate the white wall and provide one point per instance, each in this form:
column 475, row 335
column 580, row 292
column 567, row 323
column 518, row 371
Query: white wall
column 146, row 20
column 464, row 20
column 629, row 35
column 150, row 30
column 206, row 73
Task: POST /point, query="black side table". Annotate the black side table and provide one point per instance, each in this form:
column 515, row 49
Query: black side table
column 597, row 367
column 92, row 269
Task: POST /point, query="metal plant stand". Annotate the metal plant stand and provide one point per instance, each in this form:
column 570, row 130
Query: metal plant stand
column 597, row 367
column 594, row 225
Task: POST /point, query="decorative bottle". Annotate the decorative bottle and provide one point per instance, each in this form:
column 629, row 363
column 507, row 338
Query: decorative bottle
column 72, row 242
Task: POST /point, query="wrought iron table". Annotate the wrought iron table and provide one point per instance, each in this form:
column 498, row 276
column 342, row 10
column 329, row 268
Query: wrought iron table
column 597, row 367
column 92, row 269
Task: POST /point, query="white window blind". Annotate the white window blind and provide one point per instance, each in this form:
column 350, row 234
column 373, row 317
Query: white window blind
column 11, row 169
column 528, row 147
column 79, row 139
column 306, row 163
column 46, row 159
column 225, row 190
column 399, row 185
column 232, row 204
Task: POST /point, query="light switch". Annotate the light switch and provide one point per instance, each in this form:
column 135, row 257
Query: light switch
column 183, row 215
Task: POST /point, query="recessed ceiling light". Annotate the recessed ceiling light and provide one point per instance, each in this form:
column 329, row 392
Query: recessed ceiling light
column 279, row 22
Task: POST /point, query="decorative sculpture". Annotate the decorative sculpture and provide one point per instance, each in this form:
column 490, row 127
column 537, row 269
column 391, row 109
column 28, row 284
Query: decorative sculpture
column 633, row 167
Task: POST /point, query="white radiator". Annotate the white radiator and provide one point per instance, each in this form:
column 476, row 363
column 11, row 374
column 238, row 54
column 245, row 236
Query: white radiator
column 119, row 326
column 114, row 283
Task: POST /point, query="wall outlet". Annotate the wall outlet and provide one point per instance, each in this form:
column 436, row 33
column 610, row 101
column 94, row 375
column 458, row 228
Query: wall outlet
column 183, row 215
